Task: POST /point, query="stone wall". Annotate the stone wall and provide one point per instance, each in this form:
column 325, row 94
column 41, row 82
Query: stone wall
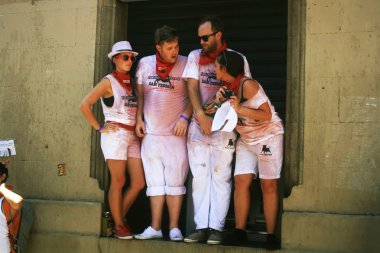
column 336, row 206
column 47, row 50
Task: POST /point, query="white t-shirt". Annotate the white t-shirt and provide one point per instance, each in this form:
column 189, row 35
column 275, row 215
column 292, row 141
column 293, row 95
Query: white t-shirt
column 253, row 132
column 208, row 84
column 164, row 101
column 124, row 106
column 4, row 239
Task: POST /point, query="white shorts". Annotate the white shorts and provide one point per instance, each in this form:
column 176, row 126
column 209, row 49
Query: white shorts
column 120, row 145
column 165, row 163
column 264, row 157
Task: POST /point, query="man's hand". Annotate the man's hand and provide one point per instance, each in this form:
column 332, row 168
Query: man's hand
column 211, row 108
column 180, row 127
column 140, row 128
column 205, row 123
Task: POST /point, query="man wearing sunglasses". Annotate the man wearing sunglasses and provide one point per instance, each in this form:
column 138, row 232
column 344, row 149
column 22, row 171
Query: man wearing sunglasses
column 210, row 153
column 163, row 116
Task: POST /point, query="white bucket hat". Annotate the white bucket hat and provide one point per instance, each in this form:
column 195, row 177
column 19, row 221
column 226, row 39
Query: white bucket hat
column 225, row 118
column 119, row 47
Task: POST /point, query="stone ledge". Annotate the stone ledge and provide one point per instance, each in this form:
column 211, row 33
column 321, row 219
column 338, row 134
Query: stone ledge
column 111, row 245
column 323, row 232
column 62, row 243
column 69, row 217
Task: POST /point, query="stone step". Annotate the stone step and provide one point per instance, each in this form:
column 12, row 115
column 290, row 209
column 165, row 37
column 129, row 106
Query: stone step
column 62, row 243
column 68, row 217
column 112, row 245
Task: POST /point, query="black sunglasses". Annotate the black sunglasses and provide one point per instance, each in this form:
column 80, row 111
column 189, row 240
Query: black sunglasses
column 205, row 37
column 127, row 57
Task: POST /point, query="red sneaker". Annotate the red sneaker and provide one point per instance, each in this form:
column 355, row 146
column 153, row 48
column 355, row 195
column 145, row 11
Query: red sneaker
column 123, row 233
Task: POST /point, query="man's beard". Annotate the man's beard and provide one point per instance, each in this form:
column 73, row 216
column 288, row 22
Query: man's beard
column 210, row 48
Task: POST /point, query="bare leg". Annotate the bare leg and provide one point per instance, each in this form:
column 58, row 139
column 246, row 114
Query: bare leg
column 117, row 171
column 156, row 206
column 270, row 197
column 137, row 183
column 242, row 199
column 174, row 203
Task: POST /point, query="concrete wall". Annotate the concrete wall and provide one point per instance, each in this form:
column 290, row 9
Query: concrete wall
column 336, row 207
column 48, row 63
column 47, row 53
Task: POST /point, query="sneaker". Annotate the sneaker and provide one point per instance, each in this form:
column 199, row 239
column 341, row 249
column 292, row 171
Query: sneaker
column 149, row 233
column 123, row 233
column 175, row 235
column 199, row 236
column 272, row 243
column 238, row 237
column 215, row 237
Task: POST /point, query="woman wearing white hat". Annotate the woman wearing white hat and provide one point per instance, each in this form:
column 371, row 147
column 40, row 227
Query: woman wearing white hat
column 119, row 143
column 259, row 148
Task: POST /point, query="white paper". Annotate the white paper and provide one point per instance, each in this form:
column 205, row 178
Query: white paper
column 7, row 148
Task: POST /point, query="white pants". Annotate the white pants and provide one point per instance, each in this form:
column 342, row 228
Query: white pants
column 210, row 160
column 165, row 164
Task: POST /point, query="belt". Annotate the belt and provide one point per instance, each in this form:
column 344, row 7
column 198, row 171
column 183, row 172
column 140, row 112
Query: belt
column 124, row 126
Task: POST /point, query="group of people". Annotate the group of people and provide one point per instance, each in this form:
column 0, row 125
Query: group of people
column 169, row 109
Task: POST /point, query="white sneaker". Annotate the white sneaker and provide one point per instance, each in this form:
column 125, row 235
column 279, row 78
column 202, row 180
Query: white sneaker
column 175, row 235
column 149, row 233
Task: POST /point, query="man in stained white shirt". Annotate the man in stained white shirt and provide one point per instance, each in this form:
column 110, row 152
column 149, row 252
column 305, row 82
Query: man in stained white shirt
column 210, row 153
column 163, row 115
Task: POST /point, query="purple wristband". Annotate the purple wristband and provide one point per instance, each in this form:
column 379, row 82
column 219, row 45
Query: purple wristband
column 185, row 118
column 100, row 128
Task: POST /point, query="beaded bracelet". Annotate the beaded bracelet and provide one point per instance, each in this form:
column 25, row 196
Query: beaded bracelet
column 100, row 128
column 185, row 118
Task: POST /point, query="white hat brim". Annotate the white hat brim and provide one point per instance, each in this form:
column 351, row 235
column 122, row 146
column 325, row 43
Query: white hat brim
column 112, row 54
column 225, row 118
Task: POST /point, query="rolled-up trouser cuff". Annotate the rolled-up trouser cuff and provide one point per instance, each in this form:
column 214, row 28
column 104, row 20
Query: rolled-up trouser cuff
column 155, row 191
column 176, row 190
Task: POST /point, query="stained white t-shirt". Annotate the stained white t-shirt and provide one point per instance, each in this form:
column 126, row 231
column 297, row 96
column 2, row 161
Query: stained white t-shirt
column 164, row 101
column 4, row 239
column 124, row 107
column 208, row 84
column 252, row 131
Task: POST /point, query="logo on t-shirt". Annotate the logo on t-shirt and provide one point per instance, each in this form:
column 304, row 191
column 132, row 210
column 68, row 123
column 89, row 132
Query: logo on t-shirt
column 209, row 78
column 163, row 84
column 265, row 151
column 130, row 101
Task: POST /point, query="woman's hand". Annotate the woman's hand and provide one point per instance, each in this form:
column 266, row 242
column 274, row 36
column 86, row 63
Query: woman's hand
column 109, row 127
column 219, row 95
column 234, row 102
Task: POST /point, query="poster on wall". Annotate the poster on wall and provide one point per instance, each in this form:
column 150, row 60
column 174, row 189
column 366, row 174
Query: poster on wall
column 7, row 148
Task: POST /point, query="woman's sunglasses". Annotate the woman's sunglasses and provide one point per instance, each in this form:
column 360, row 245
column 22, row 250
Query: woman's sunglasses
column 127, row 57
column 205, row 37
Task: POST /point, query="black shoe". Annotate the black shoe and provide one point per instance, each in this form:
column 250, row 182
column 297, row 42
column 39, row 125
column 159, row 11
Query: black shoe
column 272, row 243
column 237, row 238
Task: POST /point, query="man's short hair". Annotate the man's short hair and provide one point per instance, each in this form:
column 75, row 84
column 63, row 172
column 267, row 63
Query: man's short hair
column 165, row 34
column 3, row 170
column 216, row 23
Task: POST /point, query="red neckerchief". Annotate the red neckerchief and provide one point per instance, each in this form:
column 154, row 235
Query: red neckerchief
column 207, row 58
column 163, row 68
column 124, row 80
column 235, row 84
